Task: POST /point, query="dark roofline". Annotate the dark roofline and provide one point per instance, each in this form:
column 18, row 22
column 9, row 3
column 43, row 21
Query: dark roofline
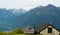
column 55, row 27
column 49, row 25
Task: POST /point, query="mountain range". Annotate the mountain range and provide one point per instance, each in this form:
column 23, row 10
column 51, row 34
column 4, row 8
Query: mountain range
column 36, row 16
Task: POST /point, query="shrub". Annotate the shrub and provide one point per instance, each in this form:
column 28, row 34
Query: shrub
column 17, row 31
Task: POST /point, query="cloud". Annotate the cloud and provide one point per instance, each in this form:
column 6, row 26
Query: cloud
column 27, row 4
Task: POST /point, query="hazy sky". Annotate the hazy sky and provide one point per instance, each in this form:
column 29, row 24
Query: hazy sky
column 27, row 4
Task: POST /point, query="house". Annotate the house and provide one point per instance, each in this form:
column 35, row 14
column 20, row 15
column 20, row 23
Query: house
column 47, row 29
column 44, row 29
column 29, row 30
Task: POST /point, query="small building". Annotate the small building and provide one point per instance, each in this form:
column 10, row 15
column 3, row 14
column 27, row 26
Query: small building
column 29, row 30
column 47, row 29
column 44, row 29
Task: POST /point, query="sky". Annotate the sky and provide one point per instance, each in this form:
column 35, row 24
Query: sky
column 26, row 4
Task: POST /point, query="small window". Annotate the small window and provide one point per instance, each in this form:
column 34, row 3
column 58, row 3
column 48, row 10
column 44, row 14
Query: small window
column 49, row 30
column 29, row 28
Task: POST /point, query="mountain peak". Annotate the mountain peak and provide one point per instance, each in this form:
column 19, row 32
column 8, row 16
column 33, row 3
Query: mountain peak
column 50, row 5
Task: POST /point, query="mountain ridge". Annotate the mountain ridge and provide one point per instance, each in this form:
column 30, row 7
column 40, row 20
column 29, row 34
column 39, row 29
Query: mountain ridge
column 38, row 15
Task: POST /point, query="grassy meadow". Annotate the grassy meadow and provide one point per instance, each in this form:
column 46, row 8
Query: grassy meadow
column 15, row 32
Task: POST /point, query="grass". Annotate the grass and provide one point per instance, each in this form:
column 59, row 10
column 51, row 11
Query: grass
column 26, row 34
column 4, row 33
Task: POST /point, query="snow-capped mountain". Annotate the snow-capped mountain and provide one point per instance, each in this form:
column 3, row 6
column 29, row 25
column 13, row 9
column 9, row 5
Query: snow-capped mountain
column 9, row 18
